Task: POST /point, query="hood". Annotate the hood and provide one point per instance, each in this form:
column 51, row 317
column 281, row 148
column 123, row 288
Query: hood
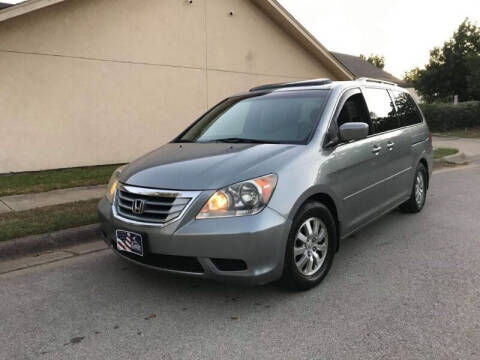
column 205, row 166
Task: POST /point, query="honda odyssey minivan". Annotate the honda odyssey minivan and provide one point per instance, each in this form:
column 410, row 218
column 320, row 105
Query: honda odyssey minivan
column 266, row 184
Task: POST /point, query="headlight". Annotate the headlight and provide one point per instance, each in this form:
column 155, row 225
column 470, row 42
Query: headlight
column 244, row 198
column 112, row 184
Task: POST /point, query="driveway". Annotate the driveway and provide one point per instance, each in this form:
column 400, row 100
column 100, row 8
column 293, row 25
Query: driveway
column 405, row 287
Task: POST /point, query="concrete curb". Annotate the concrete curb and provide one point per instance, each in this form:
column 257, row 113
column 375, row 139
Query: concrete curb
column 440, row 135
column 34, row 244
column 455, row 159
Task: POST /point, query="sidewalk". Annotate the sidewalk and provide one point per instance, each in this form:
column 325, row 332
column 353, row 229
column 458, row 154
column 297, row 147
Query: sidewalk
column 469, row 147
column 56, row 197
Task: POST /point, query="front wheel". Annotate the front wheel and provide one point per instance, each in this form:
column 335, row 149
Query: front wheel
column 419, row 192
column 311, row 247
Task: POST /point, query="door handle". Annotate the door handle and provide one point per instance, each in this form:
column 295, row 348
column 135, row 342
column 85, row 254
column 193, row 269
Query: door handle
column 390, row 145
column 376, row 149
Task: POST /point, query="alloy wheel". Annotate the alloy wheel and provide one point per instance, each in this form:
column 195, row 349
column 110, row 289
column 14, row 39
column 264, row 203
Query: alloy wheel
column 419, row 189
column 310, row 246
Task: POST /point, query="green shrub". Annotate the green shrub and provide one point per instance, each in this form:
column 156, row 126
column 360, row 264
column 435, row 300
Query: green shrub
column 445, row 117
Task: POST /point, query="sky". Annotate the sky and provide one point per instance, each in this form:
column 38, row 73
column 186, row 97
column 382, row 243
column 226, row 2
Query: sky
column 404, row 31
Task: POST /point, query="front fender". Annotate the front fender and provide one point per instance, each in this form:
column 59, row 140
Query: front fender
column 316, row 191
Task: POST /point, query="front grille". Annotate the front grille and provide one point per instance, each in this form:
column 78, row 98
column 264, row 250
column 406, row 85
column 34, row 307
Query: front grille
column 155, row 207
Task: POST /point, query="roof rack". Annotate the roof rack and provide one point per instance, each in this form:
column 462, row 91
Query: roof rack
column 314, row 82
column 376, row 81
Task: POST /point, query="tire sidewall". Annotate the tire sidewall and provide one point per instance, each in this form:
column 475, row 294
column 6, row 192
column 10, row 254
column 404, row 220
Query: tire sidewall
column 423, row 172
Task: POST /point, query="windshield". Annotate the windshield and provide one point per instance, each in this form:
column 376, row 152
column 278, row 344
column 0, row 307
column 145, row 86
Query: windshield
column 281, row 117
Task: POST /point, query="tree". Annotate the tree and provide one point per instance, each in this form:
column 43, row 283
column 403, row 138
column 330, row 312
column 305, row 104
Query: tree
column 377, row 60
column 411, row 76
column 452, row 69
column 473, row 78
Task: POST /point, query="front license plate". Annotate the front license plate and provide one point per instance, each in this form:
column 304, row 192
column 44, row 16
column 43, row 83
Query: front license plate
column 131, row 242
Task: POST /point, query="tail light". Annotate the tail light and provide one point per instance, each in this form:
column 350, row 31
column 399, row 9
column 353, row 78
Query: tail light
column 430, row 136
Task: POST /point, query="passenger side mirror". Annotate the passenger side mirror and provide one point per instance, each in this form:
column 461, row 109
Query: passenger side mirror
column 353, row 131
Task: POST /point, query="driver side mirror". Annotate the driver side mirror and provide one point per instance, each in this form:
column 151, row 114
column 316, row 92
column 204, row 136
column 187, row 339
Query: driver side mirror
column 353, row 131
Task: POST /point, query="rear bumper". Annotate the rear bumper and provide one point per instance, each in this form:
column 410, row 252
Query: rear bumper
column 246, row 249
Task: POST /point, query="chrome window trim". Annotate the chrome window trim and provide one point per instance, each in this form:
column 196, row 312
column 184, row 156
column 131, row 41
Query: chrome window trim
column 153, row 192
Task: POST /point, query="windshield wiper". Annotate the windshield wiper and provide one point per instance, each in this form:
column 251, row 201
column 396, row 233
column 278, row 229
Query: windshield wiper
column 243, row 140
column 182, row 141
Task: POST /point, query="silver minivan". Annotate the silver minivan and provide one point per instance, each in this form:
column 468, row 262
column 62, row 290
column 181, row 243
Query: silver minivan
column 266, row 184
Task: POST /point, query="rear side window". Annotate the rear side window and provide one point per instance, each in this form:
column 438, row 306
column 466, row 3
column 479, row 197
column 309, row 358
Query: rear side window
column 381, row 109
column 407, row 110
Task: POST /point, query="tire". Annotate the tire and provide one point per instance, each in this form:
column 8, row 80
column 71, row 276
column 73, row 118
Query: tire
column 417, row 201
column 317, row 249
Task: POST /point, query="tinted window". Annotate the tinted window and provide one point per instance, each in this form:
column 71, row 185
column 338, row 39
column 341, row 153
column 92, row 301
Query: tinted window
column 353, row 110
column 407, row 110
column 282, row 117
column 381, row 109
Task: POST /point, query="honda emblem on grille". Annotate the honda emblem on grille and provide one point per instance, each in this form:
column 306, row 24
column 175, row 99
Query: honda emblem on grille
column 138, row 206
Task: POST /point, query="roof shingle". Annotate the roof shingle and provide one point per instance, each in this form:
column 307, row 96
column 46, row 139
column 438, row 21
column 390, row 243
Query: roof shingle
column 4, row 5
column 361, row 68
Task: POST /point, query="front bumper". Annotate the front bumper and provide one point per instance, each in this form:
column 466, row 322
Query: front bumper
column 216, row 245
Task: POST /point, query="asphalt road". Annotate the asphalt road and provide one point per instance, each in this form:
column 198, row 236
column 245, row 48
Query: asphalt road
column 406, row 287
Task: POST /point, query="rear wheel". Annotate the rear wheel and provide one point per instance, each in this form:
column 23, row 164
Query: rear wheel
column 419, row 192
column 311, row 247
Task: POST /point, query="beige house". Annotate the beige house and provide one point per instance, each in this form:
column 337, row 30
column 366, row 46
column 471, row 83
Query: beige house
column 87, row 82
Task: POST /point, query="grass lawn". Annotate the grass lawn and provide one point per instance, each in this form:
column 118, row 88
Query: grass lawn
column 466, row 133
column 38, row 181
column 441, row 152
column 47, row 219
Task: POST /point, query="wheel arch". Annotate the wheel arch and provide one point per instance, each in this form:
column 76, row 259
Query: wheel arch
column 324, row 197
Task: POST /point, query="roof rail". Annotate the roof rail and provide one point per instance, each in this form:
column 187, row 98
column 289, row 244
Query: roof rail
column 376, row 80
column 313, row 82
